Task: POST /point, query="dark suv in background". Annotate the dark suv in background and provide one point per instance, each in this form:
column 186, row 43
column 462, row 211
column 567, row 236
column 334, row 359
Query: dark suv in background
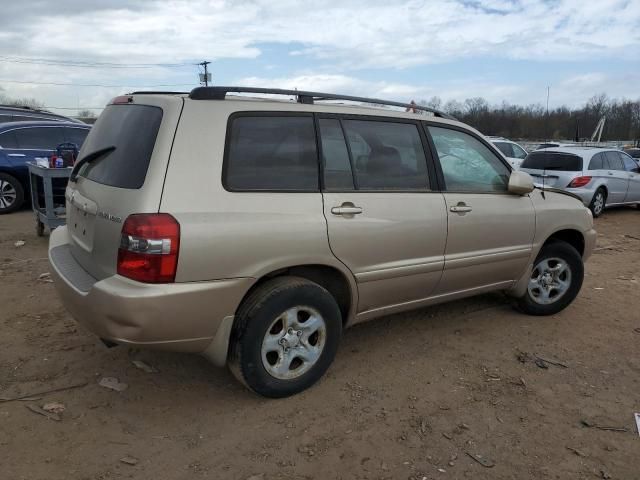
column 22, row 142
column 28, row 114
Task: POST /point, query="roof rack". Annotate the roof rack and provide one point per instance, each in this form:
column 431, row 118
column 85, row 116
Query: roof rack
column 220, row 93
column 156, row 92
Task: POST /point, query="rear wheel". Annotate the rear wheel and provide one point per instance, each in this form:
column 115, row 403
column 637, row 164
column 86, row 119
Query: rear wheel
column 598, row 202
column 286, row 335
column 555, row 280
column 11, row 194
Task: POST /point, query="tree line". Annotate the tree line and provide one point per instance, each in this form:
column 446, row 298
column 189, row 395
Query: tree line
column 533, row 122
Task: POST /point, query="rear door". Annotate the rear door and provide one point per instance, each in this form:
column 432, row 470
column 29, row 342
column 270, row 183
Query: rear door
column 490, row 230
column 617, row 178
column 127, row 179
column 385, row 219
column 633, row 171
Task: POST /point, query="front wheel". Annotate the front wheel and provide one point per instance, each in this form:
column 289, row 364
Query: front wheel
column 555, row 280
column 285, row 337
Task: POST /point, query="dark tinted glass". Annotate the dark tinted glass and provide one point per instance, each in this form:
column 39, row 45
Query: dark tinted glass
column 615, row 161
column 598, row 162
column 505, row 148
column 467, row 164
column 40, row 138
column 335, row 156
column 8, row 139
column 564, row 162
column 387, row 156
column 630, row 165
column 272, row 153
column 76, row 135
column 132, row 129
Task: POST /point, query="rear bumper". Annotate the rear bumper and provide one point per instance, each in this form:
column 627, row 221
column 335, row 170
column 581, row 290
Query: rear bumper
column 186, row 317
column 586, row 194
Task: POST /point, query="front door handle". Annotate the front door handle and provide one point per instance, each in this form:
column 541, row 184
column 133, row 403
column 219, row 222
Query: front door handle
column 346, row 208
column 16, row 155
column 461, row 207
column 610, row 173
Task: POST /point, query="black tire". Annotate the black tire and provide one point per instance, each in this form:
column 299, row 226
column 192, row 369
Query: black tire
column 594, row 205
column 9, row 204
column 564, row 251
column 254, row 318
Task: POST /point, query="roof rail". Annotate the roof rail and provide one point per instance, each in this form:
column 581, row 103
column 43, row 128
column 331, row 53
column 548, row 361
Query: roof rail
column 219, row 93
column 158, row 92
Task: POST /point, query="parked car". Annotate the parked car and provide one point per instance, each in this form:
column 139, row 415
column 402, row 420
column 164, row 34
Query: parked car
column 601, row 177
column 514, row 153
column 255, row 231
column 28, row 114
column 24, row 142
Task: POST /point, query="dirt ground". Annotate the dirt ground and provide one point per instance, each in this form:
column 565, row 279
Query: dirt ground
column 411, row 396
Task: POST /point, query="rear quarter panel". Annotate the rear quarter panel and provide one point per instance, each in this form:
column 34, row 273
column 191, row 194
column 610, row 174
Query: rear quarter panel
column 228, row 234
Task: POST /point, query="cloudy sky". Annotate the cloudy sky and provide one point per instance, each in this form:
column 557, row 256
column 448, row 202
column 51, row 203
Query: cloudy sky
column 502, row 50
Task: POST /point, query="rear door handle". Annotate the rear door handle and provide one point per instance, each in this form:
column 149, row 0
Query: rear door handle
column 346, row 209
column 610, row 173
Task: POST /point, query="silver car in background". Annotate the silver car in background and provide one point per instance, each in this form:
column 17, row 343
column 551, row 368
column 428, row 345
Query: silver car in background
column 601, row 177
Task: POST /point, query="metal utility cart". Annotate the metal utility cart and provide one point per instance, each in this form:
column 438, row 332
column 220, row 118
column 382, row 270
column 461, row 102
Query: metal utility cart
column 42, row 201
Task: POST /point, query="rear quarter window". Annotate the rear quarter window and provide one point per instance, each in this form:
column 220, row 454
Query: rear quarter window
column 271, row 153
column 132, row 130
column 564, row 162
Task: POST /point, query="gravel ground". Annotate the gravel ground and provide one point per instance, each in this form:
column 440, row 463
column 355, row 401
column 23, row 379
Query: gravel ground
column 452, row 391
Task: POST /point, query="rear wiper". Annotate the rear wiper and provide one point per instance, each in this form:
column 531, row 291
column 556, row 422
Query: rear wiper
column 89, row 158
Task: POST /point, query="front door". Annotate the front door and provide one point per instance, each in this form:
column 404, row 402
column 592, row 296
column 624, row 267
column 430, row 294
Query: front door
column 385, row 222
column 490, row 231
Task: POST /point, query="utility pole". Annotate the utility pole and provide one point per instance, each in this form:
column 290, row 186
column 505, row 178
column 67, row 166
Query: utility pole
column 546, row 127
column 207, row 76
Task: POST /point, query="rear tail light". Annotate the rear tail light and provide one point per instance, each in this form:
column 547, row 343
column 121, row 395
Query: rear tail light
column 121, row 100
column 579, row 182
column 149, row 248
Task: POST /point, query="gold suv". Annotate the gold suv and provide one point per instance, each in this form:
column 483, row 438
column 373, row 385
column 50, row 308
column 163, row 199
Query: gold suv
column 255, row 230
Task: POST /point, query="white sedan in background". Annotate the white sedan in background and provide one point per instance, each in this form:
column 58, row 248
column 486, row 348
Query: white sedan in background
column 511, row 150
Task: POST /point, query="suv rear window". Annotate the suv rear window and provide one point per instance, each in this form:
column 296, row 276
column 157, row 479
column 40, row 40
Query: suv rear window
column 132, row 129
column 553, row 161
column 272, row 153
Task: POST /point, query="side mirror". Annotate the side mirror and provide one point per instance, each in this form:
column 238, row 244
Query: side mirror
column 520, row 183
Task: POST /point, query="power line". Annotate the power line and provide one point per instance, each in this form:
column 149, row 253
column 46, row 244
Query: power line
column 86, row 64
column 96, row 85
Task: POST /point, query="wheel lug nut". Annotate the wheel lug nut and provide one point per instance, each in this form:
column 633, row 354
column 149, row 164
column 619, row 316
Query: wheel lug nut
column 299, row 333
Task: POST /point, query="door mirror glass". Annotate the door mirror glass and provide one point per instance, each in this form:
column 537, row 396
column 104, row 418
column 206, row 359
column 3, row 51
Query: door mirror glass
column 520, row 183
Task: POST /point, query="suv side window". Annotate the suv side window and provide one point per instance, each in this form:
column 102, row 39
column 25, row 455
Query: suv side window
column 518, row 152
column 467, row 164
column 335, row 156
column 615, row 162
column 505, row 148
column 8, row 139
column 272, row 153
column 40, row 138
column 386, row 155
column 630, row 164
column 598, row 162
column 76, row 135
